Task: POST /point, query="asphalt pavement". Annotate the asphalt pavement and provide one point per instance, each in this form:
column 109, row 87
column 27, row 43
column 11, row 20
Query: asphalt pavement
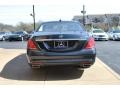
column 13, row 44
column 109, row 53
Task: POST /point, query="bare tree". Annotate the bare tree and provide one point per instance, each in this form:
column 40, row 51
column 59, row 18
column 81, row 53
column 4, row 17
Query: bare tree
column 115, row 21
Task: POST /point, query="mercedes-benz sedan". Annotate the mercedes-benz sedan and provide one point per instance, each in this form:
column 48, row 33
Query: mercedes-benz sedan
column 99, row 34
column 114, row 34
column 61, row 43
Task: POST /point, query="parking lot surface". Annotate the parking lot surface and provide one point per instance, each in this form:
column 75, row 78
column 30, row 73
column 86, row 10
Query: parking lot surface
column 15, row 70
column 109, row 53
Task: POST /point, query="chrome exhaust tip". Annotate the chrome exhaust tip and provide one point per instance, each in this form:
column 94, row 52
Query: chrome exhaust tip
column 35, row 66
column 86, row 65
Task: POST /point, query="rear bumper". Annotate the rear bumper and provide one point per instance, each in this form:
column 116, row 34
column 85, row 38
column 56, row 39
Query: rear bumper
column 79, row 58
column 83, row 63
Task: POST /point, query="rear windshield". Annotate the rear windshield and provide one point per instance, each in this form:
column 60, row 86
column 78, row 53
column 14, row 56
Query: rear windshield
column 18, row 32
column 60, row 26
column 2, row 33
column 98, row 31
column 116, row 31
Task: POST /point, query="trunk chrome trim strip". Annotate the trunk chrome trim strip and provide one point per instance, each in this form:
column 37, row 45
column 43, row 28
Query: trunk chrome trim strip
column 56, row 39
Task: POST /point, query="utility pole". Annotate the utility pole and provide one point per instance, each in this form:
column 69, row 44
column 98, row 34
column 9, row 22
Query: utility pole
column 83, row 12
column 33, row 15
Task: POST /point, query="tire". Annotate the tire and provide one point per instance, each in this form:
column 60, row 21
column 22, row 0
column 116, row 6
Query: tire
column 106, row 39
column 9, row 40
column 113, row 38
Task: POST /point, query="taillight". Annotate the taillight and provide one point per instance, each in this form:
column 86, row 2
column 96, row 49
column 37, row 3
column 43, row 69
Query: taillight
column 90, row 43
column 31, row 44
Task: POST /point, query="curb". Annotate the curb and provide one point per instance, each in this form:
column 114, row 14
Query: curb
column 109, row 69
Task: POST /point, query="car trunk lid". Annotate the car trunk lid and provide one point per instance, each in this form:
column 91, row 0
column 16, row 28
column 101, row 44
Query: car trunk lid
column 61, row 42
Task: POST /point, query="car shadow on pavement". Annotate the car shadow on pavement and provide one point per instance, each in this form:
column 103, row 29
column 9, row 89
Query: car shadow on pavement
column 18, row 69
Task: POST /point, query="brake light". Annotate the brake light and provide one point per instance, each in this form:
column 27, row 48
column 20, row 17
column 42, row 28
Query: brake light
column 31, row 44
column 90, row 43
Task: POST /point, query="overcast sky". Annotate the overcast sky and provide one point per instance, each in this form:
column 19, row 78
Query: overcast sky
column 15, row 11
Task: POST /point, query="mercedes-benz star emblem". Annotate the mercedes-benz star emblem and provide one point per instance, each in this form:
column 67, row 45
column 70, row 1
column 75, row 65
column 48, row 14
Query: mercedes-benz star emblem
column 60, row 44
column 60, row 36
